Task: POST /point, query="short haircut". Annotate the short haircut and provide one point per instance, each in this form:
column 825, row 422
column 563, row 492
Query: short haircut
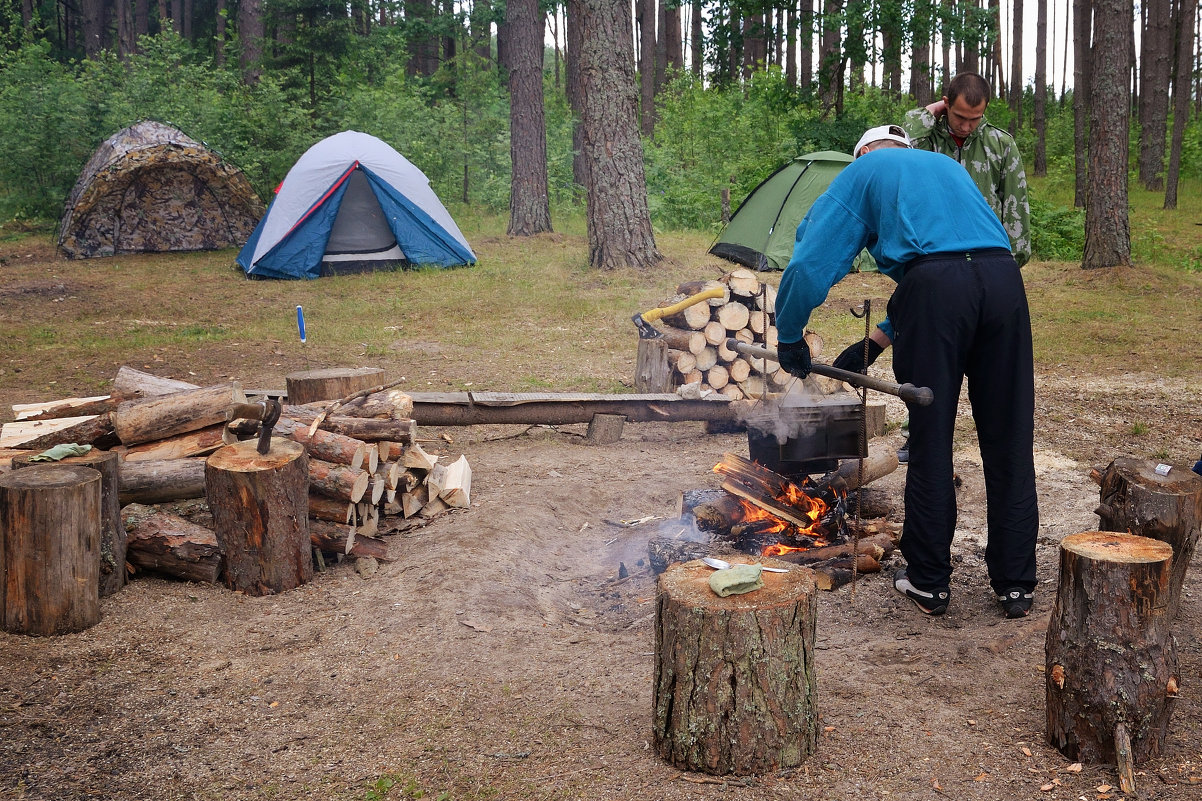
column 970, row 86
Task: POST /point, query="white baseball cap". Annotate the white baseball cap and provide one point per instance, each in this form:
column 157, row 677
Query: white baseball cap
column 893, row 133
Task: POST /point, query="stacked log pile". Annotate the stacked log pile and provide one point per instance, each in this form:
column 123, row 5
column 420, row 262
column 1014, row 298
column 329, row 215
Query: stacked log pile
column 369, row 475
column 696, row 337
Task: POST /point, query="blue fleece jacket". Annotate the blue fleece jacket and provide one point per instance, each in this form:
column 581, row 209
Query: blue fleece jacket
column 900, row 204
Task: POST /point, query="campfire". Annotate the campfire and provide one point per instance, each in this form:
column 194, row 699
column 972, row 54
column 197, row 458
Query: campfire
column 764, row 514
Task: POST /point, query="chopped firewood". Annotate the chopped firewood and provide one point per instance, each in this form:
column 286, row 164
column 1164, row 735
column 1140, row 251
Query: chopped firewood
column 879, row 463
column 366, row 429
column 338, row 481
column 332, row 509
column 457, row 484
column 324, row 445
column 413, row 501
column 332, row 538
column 415, row 457
column 663, row 551
column 835, row 573
column 436, row 480
column 68, row 407
column 390, row 404
column 432, row 507
column 39, row 435
column 181, row 446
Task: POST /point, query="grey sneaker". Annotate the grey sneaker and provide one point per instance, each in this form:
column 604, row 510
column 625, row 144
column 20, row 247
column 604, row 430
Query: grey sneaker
column 932, row 602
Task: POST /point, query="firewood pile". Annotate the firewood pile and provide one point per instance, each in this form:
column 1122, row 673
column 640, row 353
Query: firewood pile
column 368, row 473
column 760, row 513
column 697, row 336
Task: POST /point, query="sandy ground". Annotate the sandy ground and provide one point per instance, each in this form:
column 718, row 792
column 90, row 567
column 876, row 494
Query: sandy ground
column 500, row 656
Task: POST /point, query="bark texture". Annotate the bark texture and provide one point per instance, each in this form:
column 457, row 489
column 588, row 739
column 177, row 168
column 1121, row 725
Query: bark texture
column 1111, row 660
column 735, row 690
column 260, row 513
column 619, row 222
column 529, row 202
column 1107, row 227
column 49, row 549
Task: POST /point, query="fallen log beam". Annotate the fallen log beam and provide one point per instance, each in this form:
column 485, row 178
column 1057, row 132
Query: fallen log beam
column 484, row 408
column 167, row 543
column 162, row 480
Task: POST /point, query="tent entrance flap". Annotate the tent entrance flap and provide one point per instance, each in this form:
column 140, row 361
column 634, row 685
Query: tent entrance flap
column 360, row 227
column 360, row 237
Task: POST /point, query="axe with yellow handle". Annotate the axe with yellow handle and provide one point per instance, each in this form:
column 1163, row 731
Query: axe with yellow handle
column 643, row 320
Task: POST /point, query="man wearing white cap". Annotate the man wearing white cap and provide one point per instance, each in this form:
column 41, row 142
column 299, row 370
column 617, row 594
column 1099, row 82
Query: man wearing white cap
column 959, row 311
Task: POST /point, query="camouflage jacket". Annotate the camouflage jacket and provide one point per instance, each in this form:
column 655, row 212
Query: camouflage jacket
column 992, row 159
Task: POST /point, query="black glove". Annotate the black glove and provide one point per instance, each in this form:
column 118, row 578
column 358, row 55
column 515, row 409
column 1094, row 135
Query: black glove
column 794, row 357
column 852, row 359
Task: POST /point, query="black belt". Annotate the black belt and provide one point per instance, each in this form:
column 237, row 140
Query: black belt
column 957, row 255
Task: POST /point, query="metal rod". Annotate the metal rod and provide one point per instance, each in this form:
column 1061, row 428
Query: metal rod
column 921, row 396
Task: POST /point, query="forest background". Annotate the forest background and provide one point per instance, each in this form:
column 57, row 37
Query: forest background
column 724, row 93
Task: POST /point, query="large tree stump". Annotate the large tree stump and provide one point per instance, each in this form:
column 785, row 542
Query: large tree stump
column 260, row 507
column 1138, row 500
column 49, row 549
column 331, row 384
column 1111, row 659
column 112, row 532
column 734, row 677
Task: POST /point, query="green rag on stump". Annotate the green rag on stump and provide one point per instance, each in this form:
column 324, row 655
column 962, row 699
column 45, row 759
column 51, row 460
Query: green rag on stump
column 61, row 452
column 737, row 579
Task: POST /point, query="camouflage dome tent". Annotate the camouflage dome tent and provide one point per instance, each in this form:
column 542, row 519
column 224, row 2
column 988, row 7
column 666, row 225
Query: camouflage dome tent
column 150, row 188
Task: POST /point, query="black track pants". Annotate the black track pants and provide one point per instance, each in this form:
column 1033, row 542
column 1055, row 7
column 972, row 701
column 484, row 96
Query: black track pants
column 958, row 316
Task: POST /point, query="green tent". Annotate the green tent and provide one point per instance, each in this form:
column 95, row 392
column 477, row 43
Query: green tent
column 760, row 234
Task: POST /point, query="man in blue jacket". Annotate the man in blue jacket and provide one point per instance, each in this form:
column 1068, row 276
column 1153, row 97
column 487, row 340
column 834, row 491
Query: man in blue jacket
column 959, row 311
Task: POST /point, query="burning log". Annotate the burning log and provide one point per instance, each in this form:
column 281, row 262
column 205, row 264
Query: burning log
column 664, row 551
column 770, row 491
column 877, row 546
column 879, row 463
column 167, row 543
column 735, row 686
column 1112, row 672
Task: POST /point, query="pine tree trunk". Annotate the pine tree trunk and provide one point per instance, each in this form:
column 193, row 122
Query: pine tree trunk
column 1082, row 27
column 1041, row 88
column 1181, row 96
column 645, row 21
column 619, row 222
column 1156, row 69
column 250, row 36
column 1107, row 227
column 1016, row 66
column 529, row 202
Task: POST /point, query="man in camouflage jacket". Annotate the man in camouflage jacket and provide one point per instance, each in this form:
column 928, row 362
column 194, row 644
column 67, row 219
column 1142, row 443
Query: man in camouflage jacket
column 956, row 127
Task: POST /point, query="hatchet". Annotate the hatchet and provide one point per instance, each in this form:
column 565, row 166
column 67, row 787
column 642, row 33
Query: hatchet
column 920, row 396
column 643, row 320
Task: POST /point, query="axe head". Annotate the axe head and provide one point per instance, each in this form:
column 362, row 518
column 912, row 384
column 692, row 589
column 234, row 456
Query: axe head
column 646, row 329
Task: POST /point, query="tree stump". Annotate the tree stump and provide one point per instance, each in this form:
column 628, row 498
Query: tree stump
column 49, row 549
column 1138, row 500
column 260, row 507
column 1111, row 659
column 652, row 373
column 734, row 677
column 332, row 384
column 112, row 532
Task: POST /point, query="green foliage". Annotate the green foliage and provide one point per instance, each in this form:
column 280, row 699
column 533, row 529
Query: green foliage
column 43, row 132
column 1057, row 233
